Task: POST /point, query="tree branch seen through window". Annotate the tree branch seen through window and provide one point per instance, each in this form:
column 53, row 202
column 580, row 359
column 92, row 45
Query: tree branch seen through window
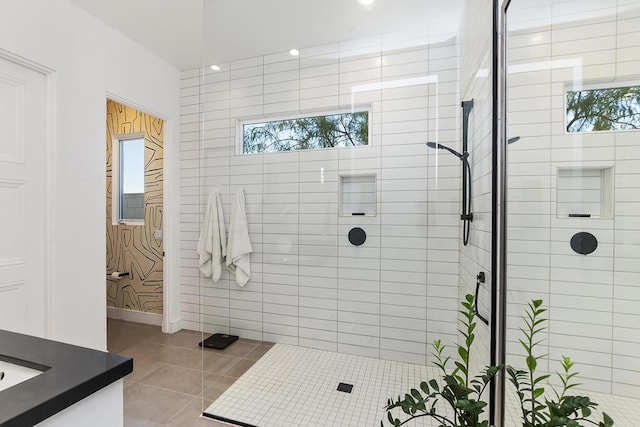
column 603, row 109
column 307, row 133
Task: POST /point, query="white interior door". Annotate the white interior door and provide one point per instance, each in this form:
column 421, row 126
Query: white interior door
column 22, row 199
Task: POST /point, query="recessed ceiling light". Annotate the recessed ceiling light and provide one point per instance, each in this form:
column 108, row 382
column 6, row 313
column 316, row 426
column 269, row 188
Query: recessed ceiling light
column 215, row 68
column 294, row 52
column 366, row 2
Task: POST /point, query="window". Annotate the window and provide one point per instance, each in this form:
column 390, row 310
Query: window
column 338, row 129
column 603, row 109
column 128, row 182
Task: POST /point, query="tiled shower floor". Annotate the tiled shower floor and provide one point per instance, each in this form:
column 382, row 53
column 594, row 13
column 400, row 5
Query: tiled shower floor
column 294, row 386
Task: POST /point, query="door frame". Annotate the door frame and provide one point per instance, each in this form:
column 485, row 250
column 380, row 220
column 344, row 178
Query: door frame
column 170, row 270
column 49, row 144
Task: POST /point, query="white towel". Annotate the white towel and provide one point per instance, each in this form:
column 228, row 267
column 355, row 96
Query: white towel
column 212, row 246
column 239, row 246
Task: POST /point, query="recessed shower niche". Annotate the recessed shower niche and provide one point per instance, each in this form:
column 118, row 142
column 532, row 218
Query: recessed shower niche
column 358, row 195
column 585, row 192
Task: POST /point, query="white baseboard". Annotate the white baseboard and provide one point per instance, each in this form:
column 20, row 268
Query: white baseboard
column 172, row 327
column 134, row 316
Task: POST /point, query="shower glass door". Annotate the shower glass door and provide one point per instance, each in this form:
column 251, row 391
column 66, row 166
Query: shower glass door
column 321, row 114
column 573, row 223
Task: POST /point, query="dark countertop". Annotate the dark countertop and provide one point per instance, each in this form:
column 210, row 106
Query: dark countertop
column 71, row 373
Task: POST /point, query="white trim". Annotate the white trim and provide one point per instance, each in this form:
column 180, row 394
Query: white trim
column 240, row 122
column 171, row 231
column 134, row 316
column 171, row 327
column 50, row 196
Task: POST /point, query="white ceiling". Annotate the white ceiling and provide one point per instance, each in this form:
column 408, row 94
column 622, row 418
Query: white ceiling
column 172, row 29
column 237, row 29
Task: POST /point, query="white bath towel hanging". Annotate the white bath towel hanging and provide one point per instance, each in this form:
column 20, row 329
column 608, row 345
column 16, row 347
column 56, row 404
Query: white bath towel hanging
column 212, row 246
column 239, row 246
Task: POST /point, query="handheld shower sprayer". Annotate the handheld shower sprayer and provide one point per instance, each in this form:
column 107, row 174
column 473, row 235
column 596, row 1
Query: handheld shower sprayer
column 466, row 216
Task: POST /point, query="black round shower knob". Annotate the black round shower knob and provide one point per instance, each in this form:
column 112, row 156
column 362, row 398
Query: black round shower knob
column 584, row 243
column 357, row 236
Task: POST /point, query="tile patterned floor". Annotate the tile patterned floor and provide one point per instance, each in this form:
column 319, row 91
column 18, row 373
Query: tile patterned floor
column 166, row 386
column 294, row 386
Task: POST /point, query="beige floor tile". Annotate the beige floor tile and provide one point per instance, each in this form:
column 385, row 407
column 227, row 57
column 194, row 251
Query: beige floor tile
column 216, row 386
column 237, row 349
column 249, row 341
column 134, row 422
column 192, row 359
column 152, row 351
column 257, row 352
column 152, row 404
column 190, row 415
column 167, row 373
column 120, row 342
column 239, row 368
column 176, row 378
column 138, row 329
column 142, row 368
column 218, row 363
column 179, row 339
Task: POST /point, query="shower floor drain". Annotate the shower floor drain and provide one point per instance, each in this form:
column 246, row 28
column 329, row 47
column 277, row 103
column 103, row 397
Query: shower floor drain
column 344, row 387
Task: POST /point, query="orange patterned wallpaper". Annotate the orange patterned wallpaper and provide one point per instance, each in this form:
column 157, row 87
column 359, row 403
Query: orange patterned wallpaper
column 133, row 248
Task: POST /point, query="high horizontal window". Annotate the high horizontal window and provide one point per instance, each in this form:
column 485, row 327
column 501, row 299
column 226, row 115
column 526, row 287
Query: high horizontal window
column 603, row 109
column 337, row 129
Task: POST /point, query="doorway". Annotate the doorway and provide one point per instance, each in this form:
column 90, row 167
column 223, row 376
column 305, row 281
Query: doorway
column 134, row 214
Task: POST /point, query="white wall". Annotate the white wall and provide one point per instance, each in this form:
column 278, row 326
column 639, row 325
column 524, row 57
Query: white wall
column 89, row 60
column 592, row 300
column 389, row 298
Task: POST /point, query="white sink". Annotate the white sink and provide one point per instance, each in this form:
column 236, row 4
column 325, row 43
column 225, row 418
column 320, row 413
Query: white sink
column 15, row 374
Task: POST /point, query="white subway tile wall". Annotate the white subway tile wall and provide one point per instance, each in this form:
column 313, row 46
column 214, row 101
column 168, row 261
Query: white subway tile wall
column 389, row 298
column 592, row 300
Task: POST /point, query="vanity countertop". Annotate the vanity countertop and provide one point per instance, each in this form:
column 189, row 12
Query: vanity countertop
column 71, row 373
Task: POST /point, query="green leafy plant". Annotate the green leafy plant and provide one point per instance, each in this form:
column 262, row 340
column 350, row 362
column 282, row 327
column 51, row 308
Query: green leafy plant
column 537, row 409
column 462, row 394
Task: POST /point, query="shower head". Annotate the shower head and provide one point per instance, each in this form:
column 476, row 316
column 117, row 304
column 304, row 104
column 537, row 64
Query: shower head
column 444, row 147
column 512, row 140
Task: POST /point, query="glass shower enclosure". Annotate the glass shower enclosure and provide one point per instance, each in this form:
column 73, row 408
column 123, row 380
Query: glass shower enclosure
column 342, row 124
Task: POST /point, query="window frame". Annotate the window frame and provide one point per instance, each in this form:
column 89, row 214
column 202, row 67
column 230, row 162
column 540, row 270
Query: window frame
column 593, row 85
column 240, row 122
column 116, row 187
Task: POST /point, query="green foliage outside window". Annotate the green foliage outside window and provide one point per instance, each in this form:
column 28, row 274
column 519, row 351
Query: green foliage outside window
column 603, row 109
column 307, row 133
